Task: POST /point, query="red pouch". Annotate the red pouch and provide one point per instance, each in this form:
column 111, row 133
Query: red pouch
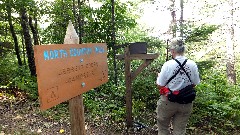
column 164, row 90
column 176, row 92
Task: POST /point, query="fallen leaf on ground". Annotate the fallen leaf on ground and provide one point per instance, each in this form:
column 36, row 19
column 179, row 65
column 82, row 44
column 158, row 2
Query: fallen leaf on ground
column 61, row 131
column 39, row 131
column 17, row 117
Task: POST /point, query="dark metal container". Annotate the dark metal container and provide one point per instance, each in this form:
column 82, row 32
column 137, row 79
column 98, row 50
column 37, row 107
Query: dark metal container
column 138, row 48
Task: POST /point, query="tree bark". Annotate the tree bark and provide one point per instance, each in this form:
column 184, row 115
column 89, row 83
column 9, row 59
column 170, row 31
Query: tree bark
column 34, row 31
column 79, row 22
column 36, row 28
column 113, row 41
column 75, row 15
column 24, row 53
column 173, row 22
column 231, row 74
column 16, row 46
column 28, row 42
column 181, row 19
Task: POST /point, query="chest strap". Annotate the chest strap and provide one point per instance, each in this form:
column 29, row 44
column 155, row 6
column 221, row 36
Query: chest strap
column 181, row 67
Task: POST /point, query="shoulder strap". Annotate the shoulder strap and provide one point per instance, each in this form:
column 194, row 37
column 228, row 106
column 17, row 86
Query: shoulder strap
column 181, row 66
column 170, row 79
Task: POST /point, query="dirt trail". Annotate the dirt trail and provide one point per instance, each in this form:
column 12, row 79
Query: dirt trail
column 20, row 116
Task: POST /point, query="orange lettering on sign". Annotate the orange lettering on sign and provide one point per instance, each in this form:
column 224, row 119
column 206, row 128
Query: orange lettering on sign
column 66, row 71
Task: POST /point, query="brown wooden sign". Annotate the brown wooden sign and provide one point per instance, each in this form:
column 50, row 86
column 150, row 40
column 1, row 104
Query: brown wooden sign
column 68, row 70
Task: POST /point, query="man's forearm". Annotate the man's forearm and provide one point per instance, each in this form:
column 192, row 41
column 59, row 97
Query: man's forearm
column 159, row 86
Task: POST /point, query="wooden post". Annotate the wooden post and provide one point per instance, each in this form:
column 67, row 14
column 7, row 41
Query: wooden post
column 76, row 108
column 131, row 75
column 128, row 87
column 76, row 111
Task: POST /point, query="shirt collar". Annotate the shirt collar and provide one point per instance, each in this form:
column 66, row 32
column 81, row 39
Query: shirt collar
column 180, row 57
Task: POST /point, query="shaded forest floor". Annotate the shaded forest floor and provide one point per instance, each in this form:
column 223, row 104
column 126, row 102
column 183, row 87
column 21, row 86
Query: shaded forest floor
column 21, row 116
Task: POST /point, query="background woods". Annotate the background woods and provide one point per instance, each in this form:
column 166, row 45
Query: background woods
column 210, row 31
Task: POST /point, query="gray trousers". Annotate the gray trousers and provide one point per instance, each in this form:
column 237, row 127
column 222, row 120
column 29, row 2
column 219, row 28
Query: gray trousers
column 177, row 113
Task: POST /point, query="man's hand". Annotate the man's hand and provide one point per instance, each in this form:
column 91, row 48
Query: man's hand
column 159, row 87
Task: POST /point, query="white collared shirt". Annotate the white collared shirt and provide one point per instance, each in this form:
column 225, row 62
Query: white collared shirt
column 181, row 80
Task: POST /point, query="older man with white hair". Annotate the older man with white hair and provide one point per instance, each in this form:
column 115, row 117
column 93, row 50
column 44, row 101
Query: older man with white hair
column 175, row 77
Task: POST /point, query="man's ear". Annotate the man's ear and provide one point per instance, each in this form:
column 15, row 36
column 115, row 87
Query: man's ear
column 173, row 53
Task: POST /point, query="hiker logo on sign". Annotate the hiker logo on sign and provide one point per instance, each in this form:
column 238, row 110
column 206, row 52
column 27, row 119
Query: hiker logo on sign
column 52, row 94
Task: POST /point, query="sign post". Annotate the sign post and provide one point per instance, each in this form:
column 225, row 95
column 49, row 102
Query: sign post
column 76, row 109
column 66, row 71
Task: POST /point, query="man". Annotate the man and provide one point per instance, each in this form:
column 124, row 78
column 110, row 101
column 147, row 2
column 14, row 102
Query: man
column 172, row 111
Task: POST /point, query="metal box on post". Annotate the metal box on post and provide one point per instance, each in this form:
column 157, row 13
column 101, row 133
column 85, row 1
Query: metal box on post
column 138, row 48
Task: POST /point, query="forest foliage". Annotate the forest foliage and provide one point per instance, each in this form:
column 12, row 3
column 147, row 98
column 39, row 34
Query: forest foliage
column 216, row 109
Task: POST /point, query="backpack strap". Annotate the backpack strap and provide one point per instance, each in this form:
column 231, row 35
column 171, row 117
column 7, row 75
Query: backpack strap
column 181, row 67
column 170, row 79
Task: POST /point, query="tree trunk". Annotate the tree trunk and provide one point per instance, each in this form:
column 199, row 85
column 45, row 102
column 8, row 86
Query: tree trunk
column 113, row 41
column 28, row 42
column 24, row 53
column 75, row 15
column 34, row 31
column 181, row 19
column 36, row 28
column 173, row 22
column 80, row 20
column 16, row 46
column 231, row 74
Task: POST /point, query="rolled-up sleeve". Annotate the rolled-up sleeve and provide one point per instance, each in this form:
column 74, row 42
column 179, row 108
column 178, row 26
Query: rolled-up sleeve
column 196, row 77
column 162, row 77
